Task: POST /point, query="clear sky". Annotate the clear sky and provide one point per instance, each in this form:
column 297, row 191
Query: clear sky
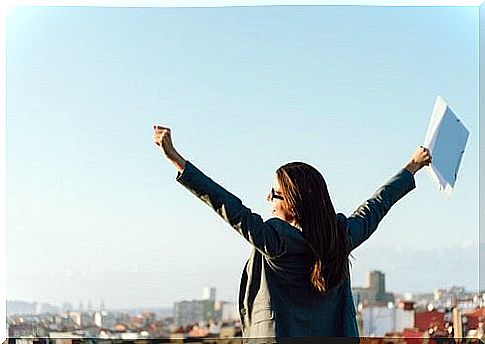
column 93, row 209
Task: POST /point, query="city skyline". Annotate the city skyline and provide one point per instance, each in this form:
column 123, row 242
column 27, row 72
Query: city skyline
column 94, row 211
column 446, row 313
column 101, row 304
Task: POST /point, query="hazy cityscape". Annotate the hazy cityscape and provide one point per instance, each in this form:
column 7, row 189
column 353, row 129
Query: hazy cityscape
column 426, row 317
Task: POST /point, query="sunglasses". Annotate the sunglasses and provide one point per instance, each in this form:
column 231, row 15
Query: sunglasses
column 275, row 195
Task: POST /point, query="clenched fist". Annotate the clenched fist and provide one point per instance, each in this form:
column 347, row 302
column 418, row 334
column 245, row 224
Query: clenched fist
column 162, row 137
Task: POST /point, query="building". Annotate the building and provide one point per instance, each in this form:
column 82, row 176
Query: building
column 375, row 291
column 197, row 311
column 430, row 320
column 229, row 312
column 21, row 330
column 98, row 319
column 63, row 337
column 476, row 318
column 40, row 308
column 75, row 317
column 444, row 298
column 192, row 312
column 379, row 320
column 376, row 284
column 209, row 293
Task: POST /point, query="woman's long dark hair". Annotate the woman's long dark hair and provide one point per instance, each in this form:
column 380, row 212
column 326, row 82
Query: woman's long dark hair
column 306, row 196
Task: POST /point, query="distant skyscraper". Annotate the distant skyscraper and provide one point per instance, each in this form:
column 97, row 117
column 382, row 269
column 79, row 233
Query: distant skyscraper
column 98, row 319
column 374, row 292
column 37, row 308
column 376, row 282
column 209, row 293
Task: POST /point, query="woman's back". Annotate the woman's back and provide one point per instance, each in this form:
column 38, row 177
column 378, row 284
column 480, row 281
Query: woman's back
column 300, row 310
column 278, row 291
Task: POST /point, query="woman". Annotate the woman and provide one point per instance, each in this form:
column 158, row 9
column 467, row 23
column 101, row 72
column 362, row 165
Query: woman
column 296, row 282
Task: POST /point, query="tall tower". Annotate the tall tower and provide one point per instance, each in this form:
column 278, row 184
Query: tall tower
column 377, row 285
column 98, row 319
column 209, row 293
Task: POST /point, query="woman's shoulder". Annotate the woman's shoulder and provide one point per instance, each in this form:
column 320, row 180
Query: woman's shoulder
column 291, row 238
column 283, row 226
column 285, row 229
column 342, row 219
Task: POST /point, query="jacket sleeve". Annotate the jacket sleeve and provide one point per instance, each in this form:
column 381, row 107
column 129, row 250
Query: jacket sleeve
column 251, row 226
column 363, row 222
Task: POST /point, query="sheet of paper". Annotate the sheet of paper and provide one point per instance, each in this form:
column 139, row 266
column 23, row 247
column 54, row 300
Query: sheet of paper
column 446, row 139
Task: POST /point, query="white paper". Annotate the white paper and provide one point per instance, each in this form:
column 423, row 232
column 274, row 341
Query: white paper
column 446, row 139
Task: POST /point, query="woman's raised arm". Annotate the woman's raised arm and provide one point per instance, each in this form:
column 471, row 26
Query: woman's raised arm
column 260, row 234
column 363, row 222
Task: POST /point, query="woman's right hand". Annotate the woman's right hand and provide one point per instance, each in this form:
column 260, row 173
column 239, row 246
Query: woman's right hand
column 163, row 138
column 420, row 158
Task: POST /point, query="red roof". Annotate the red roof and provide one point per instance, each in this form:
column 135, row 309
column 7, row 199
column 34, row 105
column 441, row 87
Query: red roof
column 413, row 336
column 425, row 320
column 475, row 317
column 413, row 333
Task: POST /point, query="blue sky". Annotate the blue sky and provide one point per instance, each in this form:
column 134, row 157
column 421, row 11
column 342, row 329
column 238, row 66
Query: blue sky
column 93, row 209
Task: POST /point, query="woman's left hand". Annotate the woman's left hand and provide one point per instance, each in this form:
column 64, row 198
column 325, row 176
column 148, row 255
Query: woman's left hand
column 420, row 158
